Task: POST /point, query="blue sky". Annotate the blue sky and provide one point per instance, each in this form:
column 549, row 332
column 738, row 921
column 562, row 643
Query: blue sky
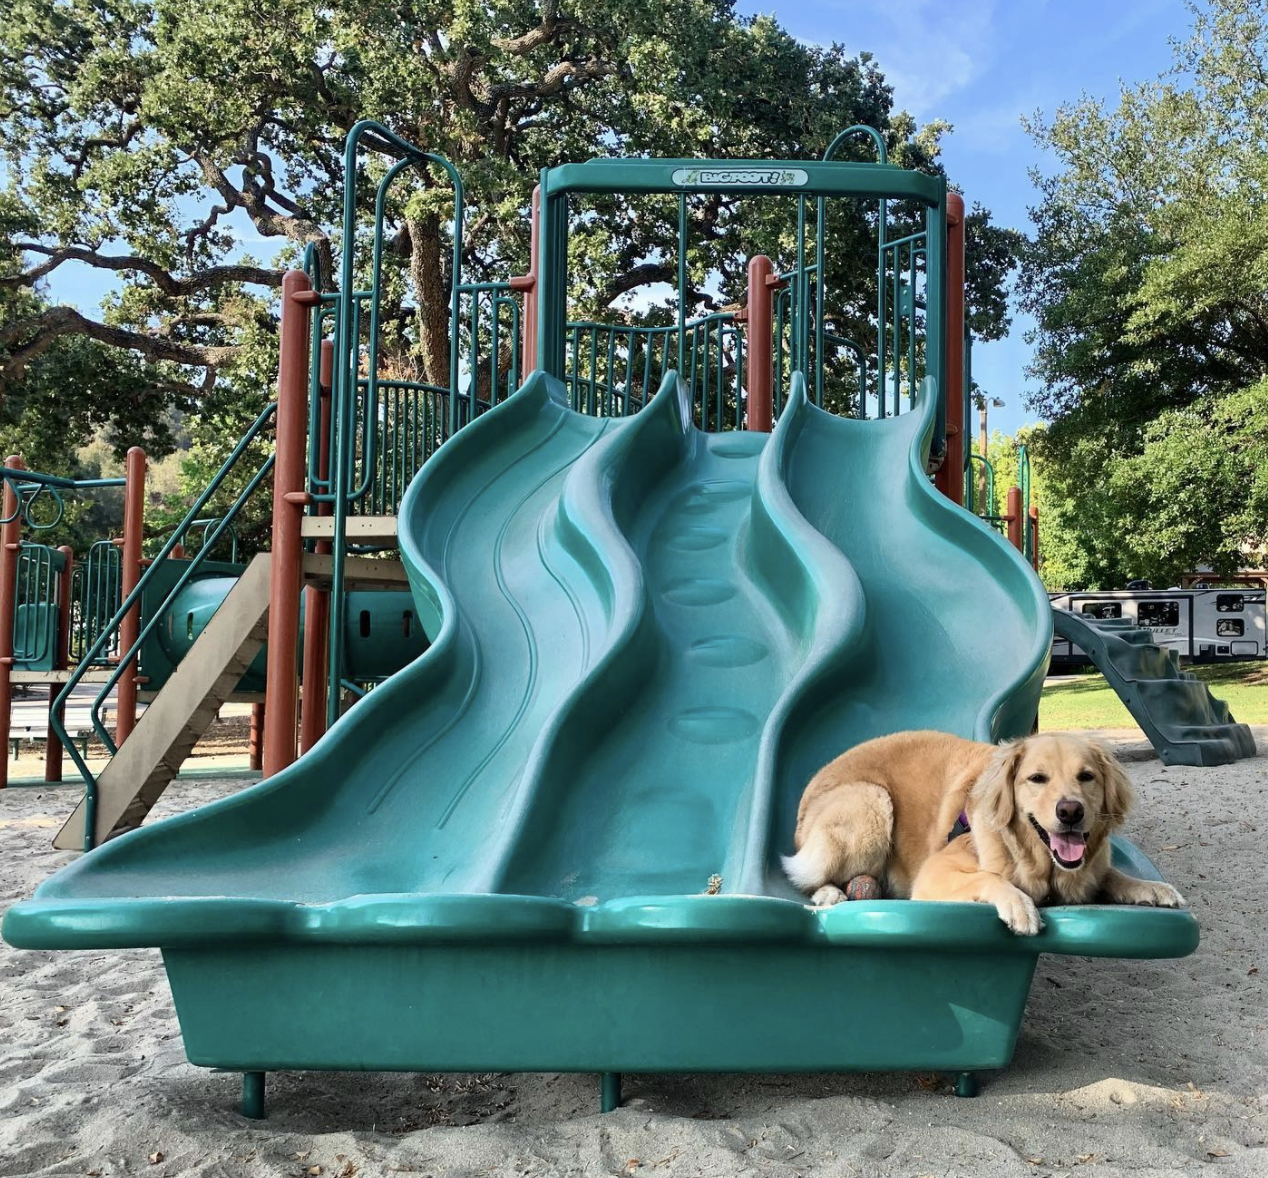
column 980, row 66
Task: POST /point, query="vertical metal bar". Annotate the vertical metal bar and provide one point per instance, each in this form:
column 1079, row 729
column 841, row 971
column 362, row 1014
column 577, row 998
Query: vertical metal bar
column 952, row 474
column 936, row 313
column 530, row 292
column 897, row 312
column 682, row 280
column 286, row 575
column 255, row 737
column 52, row 744
column 133, row 530
column 911, row 324
column 317, row 600
column 799, row 307
column 761, row 295
column 1016, row 519
column 592, row 392
column 10, row 548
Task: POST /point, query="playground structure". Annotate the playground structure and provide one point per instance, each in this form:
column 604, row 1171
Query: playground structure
column 661, row 586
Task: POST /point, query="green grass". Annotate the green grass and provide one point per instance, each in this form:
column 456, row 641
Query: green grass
column 1089, row 702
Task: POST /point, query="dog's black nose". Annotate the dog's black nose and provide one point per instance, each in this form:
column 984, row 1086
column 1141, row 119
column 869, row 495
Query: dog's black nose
column 1069, row 811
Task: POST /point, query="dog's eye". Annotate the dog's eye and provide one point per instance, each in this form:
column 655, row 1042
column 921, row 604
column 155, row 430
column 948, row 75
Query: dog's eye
column 1085, row 775
column 1038, row 778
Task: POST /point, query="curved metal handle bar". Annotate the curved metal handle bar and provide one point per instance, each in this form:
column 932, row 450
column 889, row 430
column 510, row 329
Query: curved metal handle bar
column 26, row 495
column 205, row 524
column 858, row 129
column 131, row 599
column 346, row 342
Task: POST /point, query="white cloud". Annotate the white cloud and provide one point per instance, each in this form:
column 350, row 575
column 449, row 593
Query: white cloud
column 928, row 49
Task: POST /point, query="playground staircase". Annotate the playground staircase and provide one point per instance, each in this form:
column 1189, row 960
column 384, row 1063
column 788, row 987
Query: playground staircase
column 174, row 722
column 1182, row 719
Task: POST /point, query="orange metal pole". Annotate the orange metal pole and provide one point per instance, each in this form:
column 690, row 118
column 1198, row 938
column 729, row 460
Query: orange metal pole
column 10, row 546
column 312, row 710
column 255, row 739
column 1016, row 516
column 52, row 744
column 1034, row 537
column 950, row 477
column 281, row 694
column 761, row 411
column 528, row 324
column 133, row 527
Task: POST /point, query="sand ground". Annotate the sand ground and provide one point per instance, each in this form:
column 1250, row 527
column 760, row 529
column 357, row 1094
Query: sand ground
column 1122, row 1068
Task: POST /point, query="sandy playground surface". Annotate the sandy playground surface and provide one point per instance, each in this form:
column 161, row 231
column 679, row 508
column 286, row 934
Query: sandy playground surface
column 1141, row 1068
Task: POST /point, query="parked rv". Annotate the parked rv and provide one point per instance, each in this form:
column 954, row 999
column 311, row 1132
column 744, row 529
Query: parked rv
column 1201, row 625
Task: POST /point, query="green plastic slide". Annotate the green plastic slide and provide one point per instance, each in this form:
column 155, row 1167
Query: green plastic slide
column 552, row 842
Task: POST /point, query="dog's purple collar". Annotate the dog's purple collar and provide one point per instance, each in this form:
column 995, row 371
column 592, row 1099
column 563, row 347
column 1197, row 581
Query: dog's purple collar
column 961, row 827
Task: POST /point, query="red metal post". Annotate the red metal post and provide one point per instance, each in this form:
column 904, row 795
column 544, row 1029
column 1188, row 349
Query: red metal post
column 528, row 284
column 312, row 710
column 1016, row 516
column 130, row 628
column 761, row 377
column 281, row 693
column 1034, row 537
column 52, row 745
column 950, row 477
column 10, row 547
column 255, row 739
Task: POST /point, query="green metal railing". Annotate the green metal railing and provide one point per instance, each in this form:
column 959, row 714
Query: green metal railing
column 206, row 526
column 96, row 584
column 1023, row 479
column 35, row 604
column 33, row 487
column 612, row 370
column 986, row 507
column 157, row 614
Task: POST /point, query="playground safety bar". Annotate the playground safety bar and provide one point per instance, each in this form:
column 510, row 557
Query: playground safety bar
column 131, row 644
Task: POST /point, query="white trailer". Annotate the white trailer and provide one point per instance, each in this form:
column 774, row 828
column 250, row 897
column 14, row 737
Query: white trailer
column 1201, row 625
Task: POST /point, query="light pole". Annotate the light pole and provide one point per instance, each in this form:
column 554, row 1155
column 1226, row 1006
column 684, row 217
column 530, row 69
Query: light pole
column 983, row 402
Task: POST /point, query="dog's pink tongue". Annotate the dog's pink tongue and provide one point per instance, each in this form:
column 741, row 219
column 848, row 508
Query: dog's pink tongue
column 1069, row 847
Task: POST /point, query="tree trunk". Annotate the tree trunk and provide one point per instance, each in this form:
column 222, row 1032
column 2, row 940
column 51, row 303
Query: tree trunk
column 428, row 271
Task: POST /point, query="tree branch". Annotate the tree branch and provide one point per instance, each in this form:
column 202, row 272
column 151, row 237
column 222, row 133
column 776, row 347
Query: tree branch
column 58, row 321
column 168, row 283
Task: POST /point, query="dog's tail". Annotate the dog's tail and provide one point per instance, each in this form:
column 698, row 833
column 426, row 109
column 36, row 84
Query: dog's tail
column 850, row 837
column 814, row 865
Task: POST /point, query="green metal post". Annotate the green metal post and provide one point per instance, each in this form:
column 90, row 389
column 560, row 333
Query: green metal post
column 966, row 1084
column 253, row 1095
column 609, row 1091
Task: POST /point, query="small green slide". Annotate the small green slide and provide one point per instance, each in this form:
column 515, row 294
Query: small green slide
column 552, row 842
column 1184, row 722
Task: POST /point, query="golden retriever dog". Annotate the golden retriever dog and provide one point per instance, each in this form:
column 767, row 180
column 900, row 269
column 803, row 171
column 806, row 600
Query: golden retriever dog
column 1039, row 814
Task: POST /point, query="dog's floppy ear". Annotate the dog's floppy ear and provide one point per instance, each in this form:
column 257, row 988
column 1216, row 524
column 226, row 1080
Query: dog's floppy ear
column 1119, row 792
column 992, row 793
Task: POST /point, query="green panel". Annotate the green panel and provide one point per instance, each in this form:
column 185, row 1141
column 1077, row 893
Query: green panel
column 789, row 177
column 533, row 1007
column 644, row 641
column 382, row 632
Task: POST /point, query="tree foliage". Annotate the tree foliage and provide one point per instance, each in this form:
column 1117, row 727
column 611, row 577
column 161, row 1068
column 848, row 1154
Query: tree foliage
column 1148, row 279
column 140, row 136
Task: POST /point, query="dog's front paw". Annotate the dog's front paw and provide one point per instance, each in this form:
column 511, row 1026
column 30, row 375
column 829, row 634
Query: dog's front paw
column 827, row 895
column 1149, row 893
column 1018, row 911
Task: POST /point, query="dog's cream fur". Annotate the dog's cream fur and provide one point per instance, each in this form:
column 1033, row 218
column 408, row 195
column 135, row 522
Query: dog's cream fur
column 885, row 809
